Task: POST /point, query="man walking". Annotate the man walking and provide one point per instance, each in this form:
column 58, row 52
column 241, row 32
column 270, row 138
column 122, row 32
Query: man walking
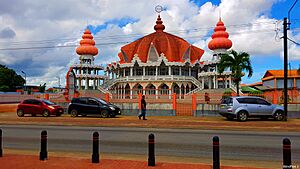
column 143, row 105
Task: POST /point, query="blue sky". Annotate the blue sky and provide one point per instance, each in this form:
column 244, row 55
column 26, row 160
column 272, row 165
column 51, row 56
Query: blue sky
column 22, row 22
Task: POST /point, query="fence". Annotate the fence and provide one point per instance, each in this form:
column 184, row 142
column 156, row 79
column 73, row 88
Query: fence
column 197, row 104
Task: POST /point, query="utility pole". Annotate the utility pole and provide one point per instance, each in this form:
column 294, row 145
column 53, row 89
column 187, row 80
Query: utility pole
column 286, row 26
column 285, row 62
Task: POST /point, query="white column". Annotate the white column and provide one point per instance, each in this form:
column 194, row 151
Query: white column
column 190, row 73
column 156, row 71
column 131, row 93
column 124, row 72
column 217, row 82
column 156, row 93
column 79, row 83
column 209, row 82
column 230, row 82
column 170, row 71
column 180, row 71
column 94, row 84
column 180, row 92
column 214, row 80
column 144, row 71
column 226, row 82
column 202, row 82
column 131, row 71
column 86, row 83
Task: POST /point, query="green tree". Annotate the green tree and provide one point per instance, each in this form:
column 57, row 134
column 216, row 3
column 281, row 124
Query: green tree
column 42, row 88
column 9, row 79
column 237, row 63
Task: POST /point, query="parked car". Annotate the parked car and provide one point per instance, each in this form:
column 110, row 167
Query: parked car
column 244, row 107
column 39, row 106
column 92, row 106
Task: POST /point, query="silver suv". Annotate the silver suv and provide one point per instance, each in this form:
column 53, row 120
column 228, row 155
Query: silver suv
column 249, row 106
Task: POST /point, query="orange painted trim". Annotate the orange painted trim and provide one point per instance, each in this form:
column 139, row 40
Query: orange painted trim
column 47, row 96
column 174, row 101
column 194, row 102
column 139, row 100
column 107, row 97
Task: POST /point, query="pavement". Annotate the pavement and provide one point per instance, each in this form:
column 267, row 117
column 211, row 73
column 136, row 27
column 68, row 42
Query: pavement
column 15, row 160
column 178, row 122
column 18, row 159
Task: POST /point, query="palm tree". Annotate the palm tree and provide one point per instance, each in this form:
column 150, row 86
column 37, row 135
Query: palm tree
column 237, row 63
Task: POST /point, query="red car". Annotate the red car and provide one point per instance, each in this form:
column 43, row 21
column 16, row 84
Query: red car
column 36, row 106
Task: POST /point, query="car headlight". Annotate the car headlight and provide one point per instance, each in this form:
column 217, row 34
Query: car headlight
column 112, row 108
column 51, row 107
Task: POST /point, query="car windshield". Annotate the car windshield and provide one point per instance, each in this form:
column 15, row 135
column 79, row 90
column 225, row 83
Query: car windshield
column 47, row 102
column 102, row 101
column 226, row 101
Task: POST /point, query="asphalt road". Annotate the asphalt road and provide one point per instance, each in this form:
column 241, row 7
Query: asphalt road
column 239, row 145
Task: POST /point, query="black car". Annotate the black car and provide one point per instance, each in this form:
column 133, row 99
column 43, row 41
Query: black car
column 92, row 106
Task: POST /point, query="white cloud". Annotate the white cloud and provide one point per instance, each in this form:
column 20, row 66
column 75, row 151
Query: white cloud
column 63, row 22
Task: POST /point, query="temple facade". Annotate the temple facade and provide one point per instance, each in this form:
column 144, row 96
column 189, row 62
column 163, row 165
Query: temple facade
column 160, row 64
column 84, row 75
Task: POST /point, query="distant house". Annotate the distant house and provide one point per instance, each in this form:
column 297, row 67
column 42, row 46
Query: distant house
column 29, row 88
column 273, row 84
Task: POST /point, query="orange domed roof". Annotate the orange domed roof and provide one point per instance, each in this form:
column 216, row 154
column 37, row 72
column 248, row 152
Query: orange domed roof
column 87, row 45
column 220, row 38
column 173, row 47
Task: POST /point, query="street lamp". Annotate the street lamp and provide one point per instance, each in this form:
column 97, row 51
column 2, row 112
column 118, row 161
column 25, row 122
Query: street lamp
column 25, row 78
column 58, row 78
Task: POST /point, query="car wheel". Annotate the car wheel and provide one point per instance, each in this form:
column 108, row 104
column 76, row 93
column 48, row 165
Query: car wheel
column 20, row 113
column 46, row 113
column 242, row 116
column 278, row 115
column 74, row 113
column 104, row 114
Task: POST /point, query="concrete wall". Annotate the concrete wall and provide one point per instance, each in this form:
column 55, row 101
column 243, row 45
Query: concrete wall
column 207, row 110
column 153, row 109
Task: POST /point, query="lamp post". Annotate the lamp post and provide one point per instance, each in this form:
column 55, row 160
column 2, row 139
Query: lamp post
column 25, row 79
column 58, row 78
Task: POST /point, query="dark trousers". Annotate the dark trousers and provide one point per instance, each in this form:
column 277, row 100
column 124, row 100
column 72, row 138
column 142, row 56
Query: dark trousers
column 143, row 113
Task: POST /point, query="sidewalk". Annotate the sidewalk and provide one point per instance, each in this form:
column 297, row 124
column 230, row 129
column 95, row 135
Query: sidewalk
column 15, row 161
column 177, row 122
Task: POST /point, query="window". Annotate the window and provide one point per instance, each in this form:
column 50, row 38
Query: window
column 263, row 102
column 150, row 71
column 175, row 71
column 138, row 71
column 92, row 102
column 27, row 102
column 35, row 102
column 47, row 102
column 163, row 70
column 185, row 71
column 227, row 101
column 247, row 100
column 127, row 71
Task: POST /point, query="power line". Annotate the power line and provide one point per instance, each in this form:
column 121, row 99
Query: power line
column 142, row 34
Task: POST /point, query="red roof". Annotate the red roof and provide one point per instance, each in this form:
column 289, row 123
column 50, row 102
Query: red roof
column 271, row 74
column 220, row 38
column 87, row 45
column 173, row 47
